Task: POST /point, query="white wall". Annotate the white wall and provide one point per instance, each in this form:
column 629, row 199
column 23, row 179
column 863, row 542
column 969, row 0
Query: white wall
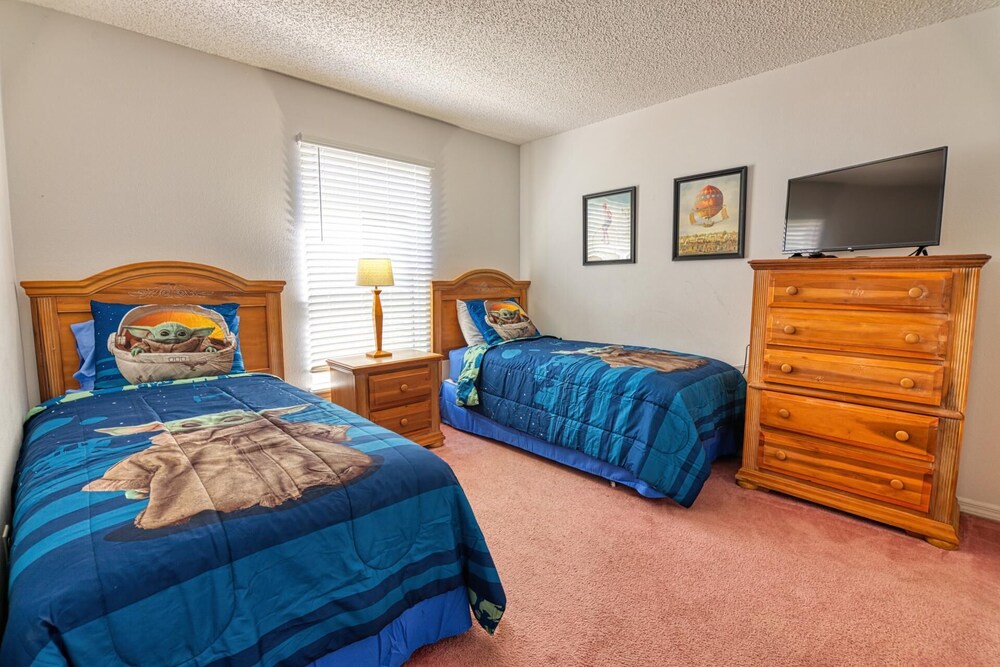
column 124, row 148
column 932, row 87
column 13, row 397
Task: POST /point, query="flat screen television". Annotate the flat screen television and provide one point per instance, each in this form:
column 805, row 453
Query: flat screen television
column 892, row 203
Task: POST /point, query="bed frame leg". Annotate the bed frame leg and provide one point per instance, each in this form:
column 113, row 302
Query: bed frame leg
column 614, row 484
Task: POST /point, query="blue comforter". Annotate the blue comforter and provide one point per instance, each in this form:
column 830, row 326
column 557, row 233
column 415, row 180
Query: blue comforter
column 229, row 521
column 646, row 410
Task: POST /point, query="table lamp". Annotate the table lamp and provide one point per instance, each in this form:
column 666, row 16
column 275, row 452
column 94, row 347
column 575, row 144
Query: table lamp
column 376, row 272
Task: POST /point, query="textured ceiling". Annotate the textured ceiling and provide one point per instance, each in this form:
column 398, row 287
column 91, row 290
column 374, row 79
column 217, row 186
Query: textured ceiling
column 519, row 69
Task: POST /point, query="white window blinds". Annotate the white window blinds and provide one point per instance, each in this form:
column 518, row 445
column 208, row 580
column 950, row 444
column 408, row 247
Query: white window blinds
column 356, row 205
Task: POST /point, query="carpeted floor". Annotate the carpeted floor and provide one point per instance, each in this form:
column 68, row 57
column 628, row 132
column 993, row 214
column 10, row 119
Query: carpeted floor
column 601, row 576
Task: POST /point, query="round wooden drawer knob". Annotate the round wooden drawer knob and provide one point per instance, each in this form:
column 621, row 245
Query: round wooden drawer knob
column 780, row 455
column 784, row 414
column 404, row 387
column 906, row 383
column 902, row 436
column 896, row 484
column 791, row 290
column 404, row 421
column 911, row 338
column 915, row 292
column 789, row 329
column 786, row 368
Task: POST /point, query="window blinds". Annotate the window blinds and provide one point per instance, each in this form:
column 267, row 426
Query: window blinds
column 356, row 205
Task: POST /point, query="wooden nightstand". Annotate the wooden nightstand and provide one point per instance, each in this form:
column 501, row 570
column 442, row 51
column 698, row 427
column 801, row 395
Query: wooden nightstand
column 399, row 393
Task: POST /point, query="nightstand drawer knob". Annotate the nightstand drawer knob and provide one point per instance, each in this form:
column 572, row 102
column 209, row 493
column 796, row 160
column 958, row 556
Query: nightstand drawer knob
column 784, row 414
column 902, row 436
column 786, row 368
column 912, row 338
column 897, row 484
column 915, row 292
column 780, row 455
column 907, row 383
column 404, row 421
column 791, row 290
column 404, row 387
column 789, row 329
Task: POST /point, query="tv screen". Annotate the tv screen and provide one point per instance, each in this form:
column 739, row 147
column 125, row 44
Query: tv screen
column 891, row 203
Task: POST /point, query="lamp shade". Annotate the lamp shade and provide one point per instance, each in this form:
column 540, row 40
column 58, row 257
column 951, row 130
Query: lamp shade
column 375, row 272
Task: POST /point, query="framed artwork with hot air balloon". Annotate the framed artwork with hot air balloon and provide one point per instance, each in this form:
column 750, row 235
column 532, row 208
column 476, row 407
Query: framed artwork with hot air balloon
column 710, row 214
column 609, row 227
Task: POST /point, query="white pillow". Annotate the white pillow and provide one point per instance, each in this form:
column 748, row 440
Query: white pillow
column 469, row 328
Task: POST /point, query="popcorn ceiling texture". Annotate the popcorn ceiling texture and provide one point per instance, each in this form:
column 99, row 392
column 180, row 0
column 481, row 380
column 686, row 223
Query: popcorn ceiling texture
column 519, row 70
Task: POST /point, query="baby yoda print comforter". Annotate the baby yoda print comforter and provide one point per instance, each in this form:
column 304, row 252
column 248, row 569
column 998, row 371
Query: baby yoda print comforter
column 226, row 521
column 648, row 411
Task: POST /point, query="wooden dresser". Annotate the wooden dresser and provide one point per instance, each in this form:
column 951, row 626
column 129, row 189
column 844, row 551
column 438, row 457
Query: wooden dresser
column 399, row 393
column 858, row 376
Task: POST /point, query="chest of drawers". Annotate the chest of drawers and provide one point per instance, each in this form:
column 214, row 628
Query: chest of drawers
column 858, row 378
column 399, row 393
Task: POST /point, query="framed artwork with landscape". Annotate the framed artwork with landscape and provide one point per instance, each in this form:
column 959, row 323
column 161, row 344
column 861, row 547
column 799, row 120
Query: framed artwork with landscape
column 710, row 214
column 609, row 227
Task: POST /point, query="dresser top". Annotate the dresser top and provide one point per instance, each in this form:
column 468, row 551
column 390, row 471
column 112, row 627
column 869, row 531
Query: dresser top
column 398, row 358
column 892, row 263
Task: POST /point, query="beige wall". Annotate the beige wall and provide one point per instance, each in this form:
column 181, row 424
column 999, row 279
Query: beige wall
column 13, row 397
column 124, row 148
column 932, row 87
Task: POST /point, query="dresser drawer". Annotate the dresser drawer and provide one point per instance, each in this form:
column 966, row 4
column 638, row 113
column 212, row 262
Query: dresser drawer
column 911, row 290
column 409, row 418
column 406, row 386
column 899, row 334
column 882, row 477
column 903, row 433
column 902, row 380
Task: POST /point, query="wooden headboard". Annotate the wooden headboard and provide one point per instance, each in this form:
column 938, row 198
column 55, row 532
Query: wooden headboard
column 56, row 304
column 446, row 335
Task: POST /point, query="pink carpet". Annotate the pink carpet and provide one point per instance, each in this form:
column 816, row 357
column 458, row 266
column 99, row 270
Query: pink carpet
column 601, row 576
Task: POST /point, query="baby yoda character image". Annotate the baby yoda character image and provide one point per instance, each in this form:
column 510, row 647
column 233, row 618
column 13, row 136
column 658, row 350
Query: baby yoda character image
column 229, row 461
column 509, row 320
column 173, row 337
column 618, row 356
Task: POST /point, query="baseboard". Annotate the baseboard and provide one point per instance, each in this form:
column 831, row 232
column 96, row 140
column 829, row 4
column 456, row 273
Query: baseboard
column 980, row 509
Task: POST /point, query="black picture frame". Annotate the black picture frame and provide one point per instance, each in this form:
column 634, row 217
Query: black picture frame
column 689, row 193
column 600, row 229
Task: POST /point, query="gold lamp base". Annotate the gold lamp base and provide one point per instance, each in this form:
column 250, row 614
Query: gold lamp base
column 378, row 354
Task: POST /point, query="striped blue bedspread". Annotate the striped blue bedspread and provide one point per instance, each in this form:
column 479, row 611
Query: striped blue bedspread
column 646, row 410
column 229, row 521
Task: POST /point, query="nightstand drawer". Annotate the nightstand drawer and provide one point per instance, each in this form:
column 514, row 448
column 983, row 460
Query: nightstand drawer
column 406, row 386
column 882, row 477
column 912, row 290
column 902, row 380
column 903, row 433
column 404, row 419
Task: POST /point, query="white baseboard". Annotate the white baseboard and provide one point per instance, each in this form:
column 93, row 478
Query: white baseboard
column 977, row 508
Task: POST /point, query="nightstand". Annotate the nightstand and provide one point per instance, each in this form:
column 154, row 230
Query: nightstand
column 399, row 393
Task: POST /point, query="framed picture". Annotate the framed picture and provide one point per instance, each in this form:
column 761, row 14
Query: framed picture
column 609, row 227
column 710, row 214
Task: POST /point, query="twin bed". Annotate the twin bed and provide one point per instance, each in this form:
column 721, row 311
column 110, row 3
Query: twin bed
column 649, row 419
column 238, row 520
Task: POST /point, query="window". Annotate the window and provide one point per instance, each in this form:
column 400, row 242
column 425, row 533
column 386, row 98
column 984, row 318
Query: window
column 356, row 205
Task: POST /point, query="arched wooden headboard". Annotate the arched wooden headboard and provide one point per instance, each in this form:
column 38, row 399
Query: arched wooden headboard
column 446, row 335
column 56, row 304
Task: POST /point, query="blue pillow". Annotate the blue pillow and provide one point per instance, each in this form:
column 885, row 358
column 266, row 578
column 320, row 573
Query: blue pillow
column 84, row 334
column 500, row 320
column 107, row 319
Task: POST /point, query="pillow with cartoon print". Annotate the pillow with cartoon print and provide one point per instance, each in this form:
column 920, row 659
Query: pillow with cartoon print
column 150, row 343
column 499, row 320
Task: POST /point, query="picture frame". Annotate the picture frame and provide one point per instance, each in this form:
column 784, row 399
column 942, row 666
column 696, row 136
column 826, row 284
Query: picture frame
column 706, row 226
column 609, row 227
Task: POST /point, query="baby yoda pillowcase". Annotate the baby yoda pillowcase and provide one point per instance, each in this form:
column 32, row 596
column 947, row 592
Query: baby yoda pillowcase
column 501, row 319
column 164, row 329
